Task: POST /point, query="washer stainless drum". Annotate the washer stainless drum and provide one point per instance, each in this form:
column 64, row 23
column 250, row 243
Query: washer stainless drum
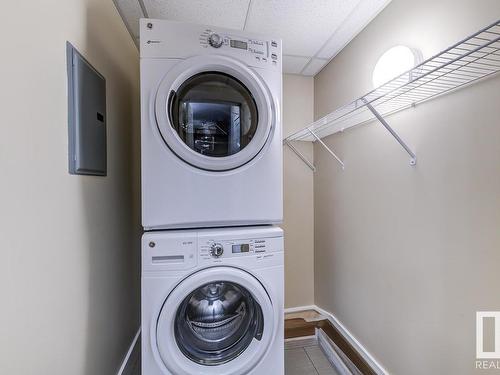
column 211, row 127
column 213, row 312
column 217, row 322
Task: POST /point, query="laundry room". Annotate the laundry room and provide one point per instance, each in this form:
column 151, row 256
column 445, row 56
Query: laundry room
column 250, row 187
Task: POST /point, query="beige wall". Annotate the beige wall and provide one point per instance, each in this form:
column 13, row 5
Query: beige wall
column 298, row 195
column 69, row 270
column 405, row 256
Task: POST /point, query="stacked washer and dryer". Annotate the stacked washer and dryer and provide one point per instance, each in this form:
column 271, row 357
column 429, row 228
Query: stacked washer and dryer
column 212, row 261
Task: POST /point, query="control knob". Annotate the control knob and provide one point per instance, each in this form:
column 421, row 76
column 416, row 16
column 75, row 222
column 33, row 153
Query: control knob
column 216, row 250
column 215, row 40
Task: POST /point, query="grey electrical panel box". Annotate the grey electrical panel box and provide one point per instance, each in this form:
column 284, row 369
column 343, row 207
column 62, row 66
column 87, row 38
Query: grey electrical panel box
column 86, row 116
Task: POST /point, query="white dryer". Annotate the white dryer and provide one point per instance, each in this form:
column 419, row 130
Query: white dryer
column 212, row 302
column 211, row 126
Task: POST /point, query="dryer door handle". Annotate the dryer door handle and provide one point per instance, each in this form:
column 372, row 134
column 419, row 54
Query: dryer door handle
column 171, row 96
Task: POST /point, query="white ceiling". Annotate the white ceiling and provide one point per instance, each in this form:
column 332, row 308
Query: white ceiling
column 313, row 31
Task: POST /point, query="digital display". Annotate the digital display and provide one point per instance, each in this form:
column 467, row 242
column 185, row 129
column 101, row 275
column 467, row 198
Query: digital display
column 239, row 44
column 241, row 248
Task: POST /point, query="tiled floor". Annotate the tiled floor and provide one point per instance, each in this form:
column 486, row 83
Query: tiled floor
column 307, row 360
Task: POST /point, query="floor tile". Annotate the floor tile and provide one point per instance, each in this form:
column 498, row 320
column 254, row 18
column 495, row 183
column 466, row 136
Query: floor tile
column 301, row 343
column 327, row 371
column 318, row 358
column 297, row 362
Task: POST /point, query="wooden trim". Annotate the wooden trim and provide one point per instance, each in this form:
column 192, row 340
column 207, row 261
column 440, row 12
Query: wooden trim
column 346, row 347
column 295, row 309
column 298, row 327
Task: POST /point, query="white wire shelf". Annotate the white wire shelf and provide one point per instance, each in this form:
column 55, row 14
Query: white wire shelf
column 468, row 61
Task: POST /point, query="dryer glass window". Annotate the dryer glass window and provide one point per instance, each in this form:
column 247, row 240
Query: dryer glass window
column 216, row 322
column 214, row 114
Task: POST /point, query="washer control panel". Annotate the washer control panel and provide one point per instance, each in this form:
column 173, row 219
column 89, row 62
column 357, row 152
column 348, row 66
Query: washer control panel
column 218, row 248
column 190, row 248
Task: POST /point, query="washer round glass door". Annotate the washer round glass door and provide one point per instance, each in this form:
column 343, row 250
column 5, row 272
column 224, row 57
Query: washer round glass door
column 216, row 322
column 214, row 113
column 218, row 319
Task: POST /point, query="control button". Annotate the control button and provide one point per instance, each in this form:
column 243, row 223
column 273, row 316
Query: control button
column 274, row 56
column 215, row 40
column 274, row 43
column 216, row 250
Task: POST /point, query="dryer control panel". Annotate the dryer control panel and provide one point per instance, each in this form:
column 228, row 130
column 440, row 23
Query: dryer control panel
column 176, row 40
column 259, row 50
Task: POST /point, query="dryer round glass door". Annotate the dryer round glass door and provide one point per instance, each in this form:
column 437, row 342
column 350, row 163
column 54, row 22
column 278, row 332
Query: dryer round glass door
column 214, row 113
column 218, row 320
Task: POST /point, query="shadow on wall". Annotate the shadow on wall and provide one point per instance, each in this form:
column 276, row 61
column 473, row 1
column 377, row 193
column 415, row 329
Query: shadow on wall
column 112, row 212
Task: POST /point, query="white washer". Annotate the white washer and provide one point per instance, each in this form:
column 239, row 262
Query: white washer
column 211, row 126
column 212, row 302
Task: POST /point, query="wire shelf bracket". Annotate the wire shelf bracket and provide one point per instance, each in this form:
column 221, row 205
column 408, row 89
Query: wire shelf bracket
column 413, row 160
column 301, row 156
column 327, row 148
column 472, row 59
column 306, row 160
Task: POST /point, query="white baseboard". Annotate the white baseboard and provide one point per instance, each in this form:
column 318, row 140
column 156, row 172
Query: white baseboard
column 290, row 310
column 372, row 362
column 132, row 357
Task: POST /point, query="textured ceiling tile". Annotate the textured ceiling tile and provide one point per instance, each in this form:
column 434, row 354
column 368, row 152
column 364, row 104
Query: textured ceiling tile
column 314, row 67
column 222, row 13
column 361, row 16
column 304, row 26
column 131, row 11
column 294, row 64
column 312, row 28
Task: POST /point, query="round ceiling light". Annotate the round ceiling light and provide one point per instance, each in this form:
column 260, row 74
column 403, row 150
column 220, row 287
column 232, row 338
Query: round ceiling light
column 394, row 62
